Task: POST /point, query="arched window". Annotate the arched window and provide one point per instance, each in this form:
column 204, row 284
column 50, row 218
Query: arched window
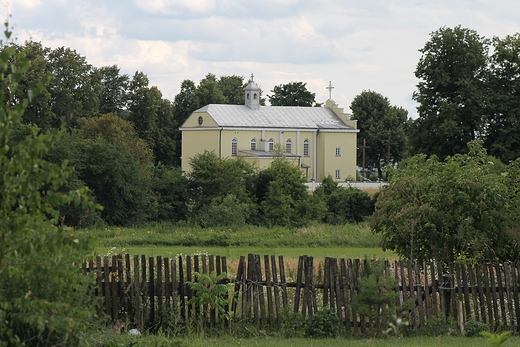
column 234, row 147
column 247, row 96
column 288, row 146
column 253, row 144
column 306, row 148
column 254, row 96
column 271, row 145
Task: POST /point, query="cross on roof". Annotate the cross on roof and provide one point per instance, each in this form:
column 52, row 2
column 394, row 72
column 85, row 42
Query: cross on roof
column 252, row 76
column 330, row 87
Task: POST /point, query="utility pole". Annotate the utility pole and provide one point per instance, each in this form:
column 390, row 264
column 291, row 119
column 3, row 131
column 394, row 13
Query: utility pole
column 364, row 147
column 389, row 144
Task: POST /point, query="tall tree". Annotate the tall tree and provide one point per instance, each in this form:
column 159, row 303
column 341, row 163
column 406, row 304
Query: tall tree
column 451, row 92
column 455, row 209
column 381, row 127
column 39, row 111
column 503, row 122
column 209, row 92
column 113, row 90
column 292, row 94
column 74, row 87
column 232, row 88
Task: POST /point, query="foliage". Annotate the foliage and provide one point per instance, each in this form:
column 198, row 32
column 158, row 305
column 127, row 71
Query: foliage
column 438, row 325
column 496, row 340
column 170, row 186
column 209, row 290
column 473, row 328
column 116, row 180
column 377, row 296
column 503, row 91
column 451, row 92
column 323, row 324
column 214, row 178
column 382, row 127
column 344, row 205
column 222, row 212
column 292, row 94
column 448, row 209
column 43, row 297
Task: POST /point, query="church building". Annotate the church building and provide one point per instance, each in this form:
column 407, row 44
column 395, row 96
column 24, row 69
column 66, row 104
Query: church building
column 320, row 140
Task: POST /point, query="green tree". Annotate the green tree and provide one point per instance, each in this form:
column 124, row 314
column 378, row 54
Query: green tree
column 170, row 186
column 184, row 104
column 448, row 210
column 114, row 88
column 208, row 91
column 382, row 127
column 232, row 88
column 344, row 205
column 43, row 296
column 282, row 196
column 292, row 94
column 74, row 87
column 503, row 89
column 214, row 178
column 451, row 92
column 117, row 181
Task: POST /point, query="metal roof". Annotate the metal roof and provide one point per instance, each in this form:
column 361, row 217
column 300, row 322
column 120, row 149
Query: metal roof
column 274, row 117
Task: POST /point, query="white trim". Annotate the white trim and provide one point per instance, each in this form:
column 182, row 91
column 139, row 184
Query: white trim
column 273, row 129
column 315, row 169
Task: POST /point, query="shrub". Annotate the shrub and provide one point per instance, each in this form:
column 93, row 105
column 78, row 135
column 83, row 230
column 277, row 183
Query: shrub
column 324, row 324
column 474, row 328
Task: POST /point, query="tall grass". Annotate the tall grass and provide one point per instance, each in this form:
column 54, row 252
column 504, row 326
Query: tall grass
column 168, row 235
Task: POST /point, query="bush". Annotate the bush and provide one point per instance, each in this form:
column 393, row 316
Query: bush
column 474, row 328
column 438, row 325
column 324, row 324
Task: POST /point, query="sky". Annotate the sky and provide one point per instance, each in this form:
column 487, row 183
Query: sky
column 356, row 45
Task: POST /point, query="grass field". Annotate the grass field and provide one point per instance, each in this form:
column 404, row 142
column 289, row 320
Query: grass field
column 319, row 241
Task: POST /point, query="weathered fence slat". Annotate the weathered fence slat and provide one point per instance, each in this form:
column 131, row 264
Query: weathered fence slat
column 144, row 290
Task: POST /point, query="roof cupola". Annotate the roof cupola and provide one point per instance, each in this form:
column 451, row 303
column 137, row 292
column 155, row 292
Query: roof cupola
column 252, row 95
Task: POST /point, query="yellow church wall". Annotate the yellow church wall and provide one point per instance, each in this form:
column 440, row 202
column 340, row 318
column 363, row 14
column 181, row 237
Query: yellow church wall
column 329, row 162
column 193, row 121
column 197, row 141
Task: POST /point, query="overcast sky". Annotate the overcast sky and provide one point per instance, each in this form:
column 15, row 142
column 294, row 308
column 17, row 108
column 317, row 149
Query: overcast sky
column 356, row 44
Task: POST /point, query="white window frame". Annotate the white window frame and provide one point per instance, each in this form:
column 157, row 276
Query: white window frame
column 234, row 147
column 253, row 144
column 338, row 151
column 306, row 148
column 338, row 174
column 271, row 145
column 288, row 146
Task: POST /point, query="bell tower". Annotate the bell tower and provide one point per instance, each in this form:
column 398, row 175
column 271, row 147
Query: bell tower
column 252, row 95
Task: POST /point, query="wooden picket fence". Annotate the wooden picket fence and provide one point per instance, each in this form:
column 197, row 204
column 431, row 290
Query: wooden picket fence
column 147, row 292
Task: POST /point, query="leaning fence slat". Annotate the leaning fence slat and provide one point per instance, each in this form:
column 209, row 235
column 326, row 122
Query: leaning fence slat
column 412, row 294
column 489, row 298
column 276, row 291
column 283, row 282
column 353, row 289
column 474, row 289
column 299, row 284
column 500, row 289
column 494, row 295
column 481, row 291
column 507, row 278
column 419, row 295
column 345, row 287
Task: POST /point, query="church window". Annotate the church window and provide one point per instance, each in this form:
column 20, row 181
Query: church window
column 253, row 144
column 271, row 145
column 201, row 120
column 288, row 146
column 338, row 174
column 234, row 147
column 338, row 151
column 254, row 96
column 306, row 148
